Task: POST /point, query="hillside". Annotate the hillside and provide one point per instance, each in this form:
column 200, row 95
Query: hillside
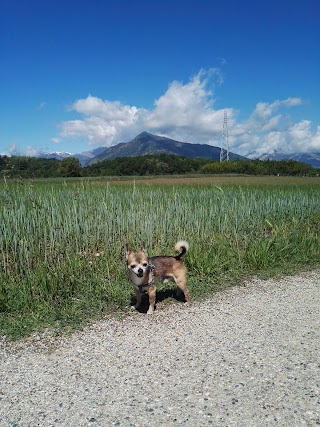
column 83, row 157
column 312, row 159
column 148, row 144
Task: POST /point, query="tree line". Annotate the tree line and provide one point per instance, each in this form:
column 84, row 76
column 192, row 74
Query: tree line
column 163, row 164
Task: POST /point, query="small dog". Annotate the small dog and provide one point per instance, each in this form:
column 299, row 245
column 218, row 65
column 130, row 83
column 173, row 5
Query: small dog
column 145, row 272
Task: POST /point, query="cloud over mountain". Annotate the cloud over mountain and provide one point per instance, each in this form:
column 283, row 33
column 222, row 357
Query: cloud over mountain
column 186, row 112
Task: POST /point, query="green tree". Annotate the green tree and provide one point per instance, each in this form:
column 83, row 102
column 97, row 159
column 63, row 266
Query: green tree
column 70, row 166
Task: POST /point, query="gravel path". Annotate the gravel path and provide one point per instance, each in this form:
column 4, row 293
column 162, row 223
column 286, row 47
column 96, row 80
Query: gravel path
column 249, row 356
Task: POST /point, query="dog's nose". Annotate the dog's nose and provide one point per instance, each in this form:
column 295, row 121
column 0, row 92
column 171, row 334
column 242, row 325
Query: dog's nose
column 140, row 271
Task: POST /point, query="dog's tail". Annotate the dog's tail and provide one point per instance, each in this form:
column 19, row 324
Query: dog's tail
column 182, row 244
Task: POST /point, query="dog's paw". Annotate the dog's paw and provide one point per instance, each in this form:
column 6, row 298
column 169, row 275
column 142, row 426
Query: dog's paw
column 150, row 311
column 133, row 308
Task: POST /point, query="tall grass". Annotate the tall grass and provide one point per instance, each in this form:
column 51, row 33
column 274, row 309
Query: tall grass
column 61, row 245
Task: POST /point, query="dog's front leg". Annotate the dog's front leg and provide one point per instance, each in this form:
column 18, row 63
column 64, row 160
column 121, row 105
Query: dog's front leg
column 152, row 299
column 138, row 298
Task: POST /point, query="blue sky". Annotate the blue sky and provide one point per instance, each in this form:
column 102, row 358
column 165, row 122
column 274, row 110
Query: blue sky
column 77, row 75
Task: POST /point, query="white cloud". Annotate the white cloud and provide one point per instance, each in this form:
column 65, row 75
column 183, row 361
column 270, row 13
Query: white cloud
column 185, row 108
column 264, row 109
column 315, row 140
column 103, row 121
column 31, row 151
column 186, row 112
column 12, row 148
column 272, row 124
column 112, row 111
column 295, row 138
column 92, row 128
column 265, row 131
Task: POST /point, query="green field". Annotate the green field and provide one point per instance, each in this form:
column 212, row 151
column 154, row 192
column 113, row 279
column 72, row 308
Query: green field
column 62, row 242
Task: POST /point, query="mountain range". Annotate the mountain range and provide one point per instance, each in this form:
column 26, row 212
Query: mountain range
column 144, row 144
column 83, row 157
column 147, row 144
column 312, row 159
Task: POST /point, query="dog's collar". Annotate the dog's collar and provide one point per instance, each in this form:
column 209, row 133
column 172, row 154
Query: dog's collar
column 145, row 285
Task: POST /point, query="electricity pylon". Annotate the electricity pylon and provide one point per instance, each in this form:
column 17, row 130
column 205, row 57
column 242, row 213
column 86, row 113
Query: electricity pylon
column 224, row 150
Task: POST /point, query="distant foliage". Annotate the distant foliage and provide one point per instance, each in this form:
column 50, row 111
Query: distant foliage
column 166, row 164
column 259, row 167
column 163, row 164
column 28, row 167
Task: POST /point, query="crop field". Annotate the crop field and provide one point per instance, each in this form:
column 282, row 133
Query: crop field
column 62, row 242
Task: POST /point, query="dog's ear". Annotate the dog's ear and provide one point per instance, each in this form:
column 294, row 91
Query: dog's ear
column 143, row 249
column 128, row 250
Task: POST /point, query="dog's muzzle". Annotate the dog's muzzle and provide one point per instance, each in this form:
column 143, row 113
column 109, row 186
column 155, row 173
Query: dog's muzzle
column 140, row 272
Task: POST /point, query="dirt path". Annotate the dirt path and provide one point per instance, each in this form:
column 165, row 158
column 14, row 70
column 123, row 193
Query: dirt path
column 249, row 356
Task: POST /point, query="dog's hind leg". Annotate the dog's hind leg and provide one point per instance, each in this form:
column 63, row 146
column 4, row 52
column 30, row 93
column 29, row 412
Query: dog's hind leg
column 182, row 287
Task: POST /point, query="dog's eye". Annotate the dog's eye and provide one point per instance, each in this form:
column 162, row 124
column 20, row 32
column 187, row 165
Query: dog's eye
column 145, row 264
column 133, row 266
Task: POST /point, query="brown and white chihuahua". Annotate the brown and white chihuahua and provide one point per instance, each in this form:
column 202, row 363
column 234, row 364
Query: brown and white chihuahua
column 145, row 272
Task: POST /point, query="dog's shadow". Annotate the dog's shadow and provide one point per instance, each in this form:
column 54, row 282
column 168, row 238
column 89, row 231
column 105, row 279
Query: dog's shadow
column 162, row 295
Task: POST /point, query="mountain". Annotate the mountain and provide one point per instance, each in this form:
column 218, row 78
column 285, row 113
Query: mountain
column 146, row 143
column 91, row 154
column 83, row 157
column 312, row 159
column 59, row 155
